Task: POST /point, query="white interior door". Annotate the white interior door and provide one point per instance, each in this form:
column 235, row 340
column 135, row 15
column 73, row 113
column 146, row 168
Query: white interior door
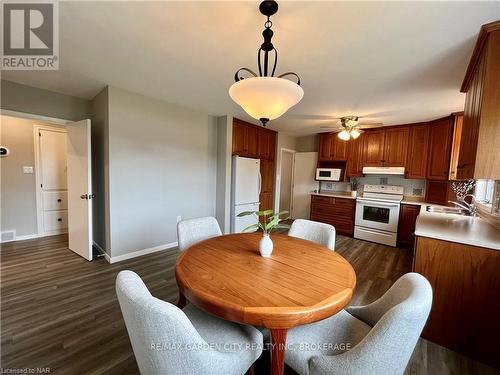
column 79, row 189
column 304, row 183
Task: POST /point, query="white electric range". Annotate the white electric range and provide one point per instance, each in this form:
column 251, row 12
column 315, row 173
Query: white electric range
column 377, row 214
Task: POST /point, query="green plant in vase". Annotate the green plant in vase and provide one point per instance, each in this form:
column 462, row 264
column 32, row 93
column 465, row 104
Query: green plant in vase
column 270, row 222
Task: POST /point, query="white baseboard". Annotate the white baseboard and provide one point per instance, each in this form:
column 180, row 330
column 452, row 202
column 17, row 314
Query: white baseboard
column 28, row 237
column 138, row 253
column 35, row 235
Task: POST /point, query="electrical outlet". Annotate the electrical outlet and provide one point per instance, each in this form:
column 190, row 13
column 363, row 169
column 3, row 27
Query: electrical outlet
column 179, row 218
column 329, row 186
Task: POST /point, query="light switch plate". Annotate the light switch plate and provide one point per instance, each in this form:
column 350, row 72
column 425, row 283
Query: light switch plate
column 28, row 170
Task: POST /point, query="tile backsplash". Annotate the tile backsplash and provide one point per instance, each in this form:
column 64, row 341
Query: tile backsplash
column 412, row 187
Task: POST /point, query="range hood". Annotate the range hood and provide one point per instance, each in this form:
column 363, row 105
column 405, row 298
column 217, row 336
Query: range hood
column 384, row 170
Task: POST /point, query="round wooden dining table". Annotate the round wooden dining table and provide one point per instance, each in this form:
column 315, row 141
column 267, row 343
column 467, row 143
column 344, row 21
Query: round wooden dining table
column 301, row 282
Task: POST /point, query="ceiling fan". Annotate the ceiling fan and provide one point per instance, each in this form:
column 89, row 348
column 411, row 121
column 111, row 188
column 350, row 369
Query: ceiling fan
column 350, row 127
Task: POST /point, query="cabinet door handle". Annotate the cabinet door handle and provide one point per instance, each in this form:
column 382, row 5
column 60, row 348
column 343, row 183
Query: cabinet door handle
column 59, row 200
column 59, row 219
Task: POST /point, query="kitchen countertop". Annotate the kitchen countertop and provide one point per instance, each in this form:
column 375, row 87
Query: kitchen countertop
column 335, row 194
column 415, row 200
column 467, row 230
column 345, row 194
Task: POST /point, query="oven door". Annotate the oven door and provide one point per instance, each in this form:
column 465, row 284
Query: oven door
column 377, row 214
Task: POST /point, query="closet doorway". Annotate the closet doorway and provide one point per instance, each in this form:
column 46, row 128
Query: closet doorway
column 46, row 180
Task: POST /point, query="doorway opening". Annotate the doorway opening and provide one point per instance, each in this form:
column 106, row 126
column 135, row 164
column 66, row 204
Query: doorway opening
column 46, row 180
column 286, row 181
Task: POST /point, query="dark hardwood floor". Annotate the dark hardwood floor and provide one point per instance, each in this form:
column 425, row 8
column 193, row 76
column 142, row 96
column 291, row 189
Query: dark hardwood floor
column 59, row 311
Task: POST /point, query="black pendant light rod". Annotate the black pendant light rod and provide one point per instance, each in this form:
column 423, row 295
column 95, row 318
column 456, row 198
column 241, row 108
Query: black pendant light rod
column 267, row 8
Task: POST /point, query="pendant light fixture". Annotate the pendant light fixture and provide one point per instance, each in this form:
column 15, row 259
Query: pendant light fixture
column 349, row 128
column 264, row 96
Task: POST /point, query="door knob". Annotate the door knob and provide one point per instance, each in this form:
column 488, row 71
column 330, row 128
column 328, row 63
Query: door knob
column 84, row 196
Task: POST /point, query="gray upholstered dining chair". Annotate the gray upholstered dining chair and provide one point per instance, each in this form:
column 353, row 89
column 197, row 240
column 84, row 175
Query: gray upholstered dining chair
column 168, row 340
column 321, row 233
column 381, row 335
column 192, row 231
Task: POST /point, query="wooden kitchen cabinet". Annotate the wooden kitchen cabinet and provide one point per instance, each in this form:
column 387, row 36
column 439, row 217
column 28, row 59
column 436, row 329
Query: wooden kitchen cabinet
column 478, row 153
column 440, row 142
column 465, row 307
column 266, row 143
column 406, row 227
column 418, row 147
column 325, row 146
column 240, row 138
column 373, row 148
column 267, row 175
column 331, row 147
column 396, row 146
column 245, row 139
column 255, row 142
column 355, row 157
column 338, row 212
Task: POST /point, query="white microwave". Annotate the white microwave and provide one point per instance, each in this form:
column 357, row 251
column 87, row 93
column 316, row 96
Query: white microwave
column 328, row 174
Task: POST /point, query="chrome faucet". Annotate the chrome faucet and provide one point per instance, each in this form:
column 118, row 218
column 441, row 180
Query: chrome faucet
column 469, row 208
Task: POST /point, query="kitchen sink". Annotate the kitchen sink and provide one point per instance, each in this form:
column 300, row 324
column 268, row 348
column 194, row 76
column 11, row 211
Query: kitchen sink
column 447, row 210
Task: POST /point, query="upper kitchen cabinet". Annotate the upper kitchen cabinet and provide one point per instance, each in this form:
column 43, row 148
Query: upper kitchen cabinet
column 267, row 144
column 478, row 155
column 373, row 148
column 245, row 139
column 396, row 146
column 418, row 147
column 251, row 141
column 355, row 157
column 331, row 148
column 325, row 146
column 457, row 140
column 386, row 147
column 440, row 142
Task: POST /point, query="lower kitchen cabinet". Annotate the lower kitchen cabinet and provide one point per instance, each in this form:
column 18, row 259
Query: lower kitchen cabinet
column 465, row 307
column 406, row 228
column 338, row 212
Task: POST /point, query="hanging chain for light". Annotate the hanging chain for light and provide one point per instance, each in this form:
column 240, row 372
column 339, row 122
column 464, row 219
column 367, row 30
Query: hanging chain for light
column 267, row 8
column 264, row 96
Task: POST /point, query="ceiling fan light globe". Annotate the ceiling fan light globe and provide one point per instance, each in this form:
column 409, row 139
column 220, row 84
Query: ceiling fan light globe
column 355, row 134
column 266, row 97
column 344, row 135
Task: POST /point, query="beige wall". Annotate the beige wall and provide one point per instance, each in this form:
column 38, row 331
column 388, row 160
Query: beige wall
column 27, row 99
column 224, row 160
column 308, row 143
column 18, row 189
column 162, row 164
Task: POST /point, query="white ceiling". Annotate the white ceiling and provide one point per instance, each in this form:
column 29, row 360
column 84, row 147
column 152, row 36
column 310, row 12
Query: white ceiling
column 392, row 62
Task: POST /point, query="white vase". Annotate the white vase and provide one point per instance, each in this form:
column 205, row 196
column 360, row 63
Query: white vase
column 266, row 246
column 354, row 193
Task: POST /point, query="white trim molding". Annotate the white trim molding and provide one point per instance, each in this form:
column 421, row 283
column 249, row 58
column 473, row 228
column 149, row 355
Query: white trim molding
column 33, row 236
column 139, row 253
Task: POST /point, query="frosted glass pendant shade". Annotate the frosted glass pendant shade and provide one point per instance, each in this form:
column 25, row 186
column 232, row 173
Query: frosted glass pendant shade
column 266, row 97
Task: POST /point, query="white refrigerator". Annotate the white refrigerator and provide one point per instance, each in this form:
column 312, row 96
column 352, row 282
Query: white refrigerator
column 245, row 191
